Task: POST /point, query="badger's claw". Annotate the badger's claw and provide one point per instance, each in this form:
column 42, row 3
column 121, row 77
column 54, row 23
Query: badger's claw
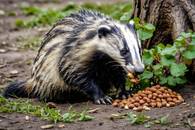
column 105, row 100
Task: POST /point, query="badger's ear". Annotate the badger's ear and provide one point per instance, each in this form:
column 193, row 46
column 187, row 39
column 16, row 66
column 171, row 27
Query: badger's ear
column 103, row 30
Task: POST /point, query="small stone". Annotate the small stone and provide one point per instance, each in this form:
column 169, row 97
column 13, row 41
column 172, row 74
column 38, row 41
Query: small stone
column 138, row 109
column 27, row 118
column 29, row 126
column 101, row 123
column 2, row 12
column 4, row 43
column 146, row 108
column 61, row 125
column 126, row 107
column 13, row 72
column 47, row 126
column 2, row 50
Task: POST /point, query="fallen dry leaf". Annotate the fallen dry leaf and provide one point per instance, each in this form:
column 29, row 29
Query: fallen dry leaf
column 93, row 110
column 49, row 126
column 61, row 125
column 51, row 105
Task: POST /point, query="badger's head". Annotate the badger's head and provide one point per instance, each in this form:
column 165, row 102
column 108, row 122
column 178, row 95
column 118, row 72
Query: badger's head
column 121, row 42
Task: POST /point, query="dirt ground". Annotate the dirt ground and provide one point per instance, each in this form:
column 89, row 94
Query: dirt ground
column 15, row 63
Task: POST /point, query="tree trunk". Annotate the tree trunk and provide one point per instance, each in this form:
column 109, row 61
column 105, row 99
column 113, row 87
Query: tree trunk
column 171, row 17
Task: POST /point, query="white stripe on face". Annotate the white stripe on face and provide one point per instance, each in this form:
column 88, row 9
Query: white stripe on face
column 133, row 45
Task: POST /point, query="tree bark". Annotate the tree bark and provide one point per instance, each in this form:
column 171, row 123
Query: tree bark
column 171, row 17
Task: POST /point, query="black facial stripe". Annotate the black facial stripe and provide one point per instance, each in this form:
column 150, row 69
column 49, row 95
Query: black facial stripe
column 125, row 44
column 128, row 58
column 125, row 52
column 131, row 27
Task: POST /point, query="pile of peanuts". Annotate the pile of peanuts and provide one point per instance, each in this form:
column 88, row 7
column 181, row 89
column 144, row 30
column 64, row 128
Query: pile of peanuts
column 155, row 96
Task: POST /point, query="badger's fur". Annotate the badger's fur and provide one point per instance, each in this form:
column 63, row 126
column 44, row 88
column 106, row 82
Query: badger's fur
column 86, row 52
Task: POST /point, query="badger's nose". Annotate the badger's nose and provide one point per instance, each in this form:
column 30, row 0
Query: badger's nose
column 139, row 70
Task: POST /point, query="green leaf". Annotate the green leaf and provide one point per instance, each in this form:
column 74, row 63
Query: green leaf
column 190, row 52
column 186, row 35
column 146, row 75
column 31, row 10
column 20, row 23
column 144, row 34
column 163, row 80
column 180, row 39
column 164, row 120
column 147, row 58
column 147, row 125
column 85, row 117
column 160, row 47
column 157, row 67
column 191, row 47
column 180, row 80
column 171, row 81
column 140, row 118
column 137, row 23
column 169, row 50
column 125, row 17
column 178, row 69
column 167, row 61
column 69, row 117
column 149, row 26
column 193, row 39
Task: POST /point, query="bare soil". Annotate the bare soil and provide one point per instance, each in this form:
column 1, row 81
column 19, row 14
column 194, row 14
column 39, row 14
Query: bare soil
column 15, row 64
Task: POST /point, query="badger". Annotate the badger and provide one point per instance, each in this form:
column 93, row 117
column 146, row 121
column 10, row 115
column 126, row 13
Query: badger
column 86, row 52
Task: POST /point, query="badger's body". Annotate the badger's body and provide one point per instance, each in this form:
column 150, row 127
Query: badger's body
column 85, row 52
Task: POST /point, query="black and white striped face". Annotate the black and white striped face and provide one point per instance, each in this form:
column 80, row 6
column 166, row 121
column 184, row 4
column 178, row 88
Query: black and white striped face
column 126, row 42
column 131, row 50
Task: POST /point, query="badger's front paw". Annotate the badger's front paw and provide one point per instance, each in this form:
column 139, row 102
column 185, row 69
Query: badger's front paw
column 123, row 94
column 104, row 100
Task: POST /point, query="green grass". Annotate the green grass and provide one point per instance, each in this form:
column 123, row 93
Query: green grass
column 46, row 113
column 43, row 17
column 147, row 121
column 30, row 43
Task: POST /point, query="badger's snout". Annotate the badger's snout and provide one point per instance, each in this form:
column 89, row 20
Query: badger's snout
column 138, row 68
